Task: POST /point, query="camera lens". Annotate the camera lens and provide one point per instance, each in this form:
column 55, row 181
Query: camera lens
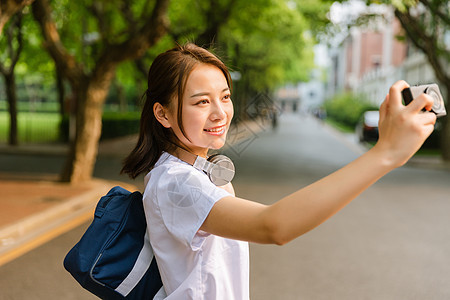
column 437, row 101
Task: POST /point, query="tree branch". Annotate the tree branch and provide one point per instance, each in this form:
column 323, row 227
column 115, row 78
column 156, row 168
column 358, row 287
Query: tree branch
column 135, row 46
column 435, row 10
column 8, row 8
column 128, row 15
column 14, row 54
column 426, row 43
column 98, row 11
column 64, row 61
column 145, row 9
column 141, row 67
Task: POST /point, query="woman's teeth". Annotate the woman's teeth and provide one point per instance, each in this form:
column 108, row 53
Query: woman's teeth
column 218, row 129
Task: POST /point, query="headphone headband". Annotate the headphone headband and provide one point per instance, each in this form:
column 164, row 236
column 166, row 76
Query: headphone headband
column 219, row 168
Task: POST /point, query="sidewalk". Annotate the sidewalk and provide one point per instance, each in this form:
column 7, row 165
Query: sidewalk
column 36, row 207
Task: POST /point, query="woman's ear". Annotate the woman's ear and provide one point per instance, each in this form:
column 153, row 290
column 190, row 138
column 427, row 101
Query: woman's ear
column 161, row 115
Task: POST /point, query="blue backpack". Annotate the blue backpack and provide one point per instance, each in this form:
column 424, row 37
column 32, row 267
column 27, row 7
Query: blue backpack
column 114, row 259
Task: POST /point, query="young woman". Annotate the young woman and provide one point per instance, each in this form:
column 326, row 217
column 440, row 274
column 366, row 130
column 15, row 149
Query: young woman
column 199, row 231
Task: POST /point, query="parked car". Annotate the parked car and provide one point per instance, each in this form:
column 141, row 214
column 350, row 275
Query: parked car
column 367, row 127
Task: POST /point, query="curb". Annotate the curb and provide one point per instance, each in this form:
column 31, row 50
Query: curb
column 435, row 163
column 35, row 149
column 24, row 235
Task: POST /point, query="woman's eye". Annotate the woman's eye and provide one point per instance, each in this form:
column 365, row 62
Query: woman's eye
column 227, row 97
column 203, row 101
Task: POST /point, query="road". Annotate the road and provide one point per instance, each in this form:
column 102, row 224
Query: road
column 392, row 242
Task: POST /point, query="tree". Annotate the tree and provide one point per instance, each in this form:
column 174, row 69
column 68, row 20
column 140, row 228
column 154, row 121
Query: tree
column 203, row 23
column 426, row 25
column 426, row 22
column 9, row 8
column 14, row 45
column 268, row 41
column 118, row 31
column 270, row 44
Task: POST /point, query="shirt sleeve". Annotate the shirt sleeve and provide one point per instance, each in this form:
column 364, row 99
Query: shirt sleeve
column 185, row 197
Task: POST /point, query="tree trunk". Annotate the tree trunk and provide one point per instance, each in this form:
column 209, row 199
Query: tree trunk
column 81, row 160
column 121, row 97
column 64, row 108
column 83, row 151
column 61, row 91
column 11, row 95
column 13, row 35
column 445, row 133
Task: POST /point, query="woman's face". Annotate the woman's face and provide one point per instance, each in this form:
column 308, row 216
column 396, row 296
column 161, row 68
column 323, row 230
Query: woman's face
column 207, row 110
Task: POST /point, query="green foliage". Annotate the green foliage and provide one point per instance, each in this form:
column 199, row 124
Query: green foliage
column 347, row 108
column 116, row 125
column 266, row 42
column 34, row 71
column 134, row 81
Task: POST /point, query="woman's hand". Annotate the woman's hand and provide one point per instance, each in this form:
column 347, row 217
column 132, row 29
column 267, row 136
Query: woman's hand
column 403, row 129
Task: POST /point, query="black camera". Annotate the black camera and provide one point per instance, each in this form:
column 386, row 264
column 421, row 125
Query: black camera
column 430, row 89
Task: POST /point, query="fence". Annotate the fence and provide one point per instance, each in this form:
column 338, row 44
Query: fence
column 33, row 127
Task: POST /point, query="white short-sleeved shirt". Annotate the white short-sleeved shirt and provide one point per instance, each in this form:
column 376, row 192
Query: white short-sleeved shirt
column 193, row 264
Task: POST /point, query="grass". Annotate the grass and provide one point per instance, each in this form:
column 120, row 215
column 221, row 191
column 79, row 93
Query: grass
column 32, row 127
column 43, row 127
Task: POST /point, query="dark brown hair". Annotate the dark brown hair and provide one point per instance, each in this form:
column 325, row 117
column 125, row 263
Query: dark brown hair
column 166, row 83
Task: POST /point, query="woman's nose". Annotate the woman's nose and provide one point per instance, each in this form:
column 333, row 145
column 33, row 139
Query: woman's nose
column 218, row 111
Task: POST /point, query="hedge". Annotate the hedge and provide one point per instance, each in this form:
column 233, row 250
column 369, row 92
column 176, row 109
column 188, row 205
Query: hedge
column 347, row 108
column 113, row 125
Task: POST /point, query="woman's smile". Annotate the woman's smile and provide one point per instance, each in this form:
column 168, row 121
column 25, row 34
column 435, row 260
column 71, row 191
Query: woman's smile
column 218, row 130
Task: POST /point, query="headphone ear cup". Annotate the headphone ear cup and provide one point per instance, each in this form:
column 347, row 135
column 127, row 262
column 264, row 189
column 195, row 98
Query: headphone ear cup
column 222, row 171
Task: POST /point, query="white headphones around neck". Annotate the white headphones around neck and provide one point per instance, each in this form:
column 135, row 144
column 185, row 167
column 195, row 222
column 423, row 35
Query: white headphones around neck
column 219, row 168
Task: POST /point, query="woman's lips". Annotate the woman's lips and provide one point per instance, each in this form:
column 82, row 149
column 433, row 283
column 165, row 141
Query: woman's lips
column 219, row 130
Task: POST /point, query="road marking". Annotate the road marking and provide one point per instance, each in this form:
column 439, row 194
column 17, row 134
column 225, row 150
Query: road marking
column 34, row 242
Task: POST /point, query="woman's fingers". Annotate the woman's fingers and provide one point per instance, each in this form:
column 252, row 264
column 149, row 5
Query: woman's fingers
column 395, row 95
column 428, row 118
column 383, row 108
column 424, row 101
column 393, row 100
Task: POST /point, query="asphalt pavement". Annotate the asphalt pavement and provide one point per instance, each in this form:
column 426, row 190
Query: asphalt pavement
column 391, row 243
column 36, row 208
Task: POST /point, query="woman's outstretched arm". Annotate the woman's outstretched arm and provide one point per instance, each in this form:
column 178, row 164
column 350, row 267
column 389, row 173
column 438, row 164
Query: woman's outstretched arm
column 403, row 129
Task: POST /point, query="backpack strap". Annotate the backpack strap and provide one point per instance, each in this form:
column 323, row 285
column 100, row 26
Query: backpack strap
column 140, row 267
